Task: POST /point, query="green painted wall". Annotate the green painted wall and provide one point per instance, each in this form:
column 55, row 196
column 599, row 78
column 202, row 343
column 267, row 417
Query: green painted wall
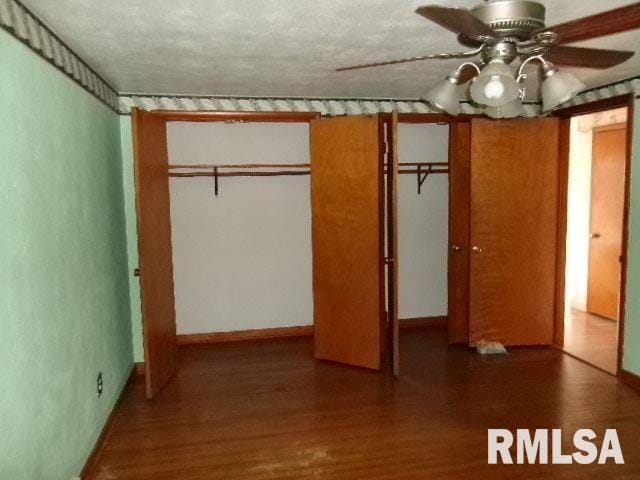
column 64, row 294
column 132, row 234
column 631, row 360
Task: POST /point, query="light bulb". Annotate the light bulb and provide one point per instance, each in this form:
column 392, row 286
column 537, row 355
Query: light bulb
column 494, row 89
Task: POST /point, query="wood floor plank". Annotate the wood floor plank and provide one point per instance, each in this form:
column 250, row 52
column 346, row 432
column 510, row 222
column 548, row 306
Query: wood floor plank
column 268, row 410
column 593, row 339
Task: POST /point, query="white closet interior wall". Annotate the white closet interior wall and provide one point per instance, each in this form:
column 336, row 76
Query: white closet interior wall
column 242, row 260
column 423, row 223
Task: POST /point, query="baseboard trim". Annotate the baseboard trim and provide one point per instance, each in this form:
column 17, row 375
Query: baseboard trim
column 244, row 335
column 422, row 322
column 283, row 332
column 92, row 459
column 630, row 379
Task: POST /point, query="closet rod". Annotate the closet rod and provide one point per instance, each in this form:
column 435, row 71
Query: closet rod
column 421, row 169
column 431, row 165
column 239, row 174
column 424, row 164
column 281, row 172
column 243, row 165
column 433, row 172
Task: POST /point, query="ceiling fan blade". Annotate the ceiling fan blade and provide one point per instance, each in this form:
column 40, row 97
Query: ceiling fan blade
column 587, row 57
column 436, row 56
column 599, row 25
column 457, row 20
column 467, row 74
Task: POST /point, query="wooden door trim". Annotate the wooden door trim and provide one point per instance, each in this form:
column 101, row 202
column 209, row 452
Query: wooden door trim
column 391, row 198
column 566, row 115
column 226, row 116
column 437, row 118
column 561, row 233
column 595, row 107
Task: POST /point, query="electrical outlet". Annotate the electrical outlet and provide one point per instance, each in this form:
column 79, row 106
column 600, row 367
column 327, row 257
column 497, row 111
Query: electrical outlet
column 99, row 384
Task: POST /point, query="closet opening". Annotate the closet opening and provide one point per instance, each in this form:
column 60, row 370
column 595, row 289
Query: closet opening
column 596, row 213
column 222, row 201
column 423, row 224
column 241, row 229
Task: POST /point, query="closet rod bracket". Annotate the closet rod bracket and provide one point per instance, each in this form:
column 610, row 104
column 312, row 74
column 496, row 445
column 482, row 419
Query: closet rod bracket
column 421, row 177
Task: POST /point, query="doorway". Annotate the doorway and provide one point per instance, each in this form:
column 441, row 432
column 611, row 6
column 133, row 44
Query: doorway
column 596, row 198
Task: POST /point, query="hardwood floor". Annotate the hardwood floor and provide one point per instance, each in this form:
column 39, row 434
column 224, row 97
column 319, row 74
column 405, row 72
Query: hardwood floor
column 593, row 339
column 266, row 410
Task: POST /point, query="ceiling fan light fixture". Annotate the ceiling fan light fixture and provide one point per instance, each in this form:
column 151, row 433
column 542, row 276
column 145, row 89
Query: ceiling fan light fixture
column 558, row 87
column 512, row 109
column 501, row 32
column 495, row 86
column 444, row 96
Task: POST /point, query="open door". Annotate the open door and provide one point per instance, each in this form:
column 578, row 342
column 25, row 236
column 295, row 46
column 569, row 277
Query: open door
column 514, row 221
column 154, row 248
column 347, row 203
column 607, row 219
column 393, row 319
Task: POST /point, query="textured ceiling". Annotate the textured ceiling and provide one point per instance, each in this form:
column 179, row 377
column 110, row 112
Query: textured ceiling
column 280, row 47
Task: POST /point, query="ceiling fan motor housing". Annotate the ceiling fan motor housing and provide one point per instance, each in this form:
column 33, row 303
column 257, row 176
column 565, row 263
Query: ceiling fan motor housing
column 512, row 18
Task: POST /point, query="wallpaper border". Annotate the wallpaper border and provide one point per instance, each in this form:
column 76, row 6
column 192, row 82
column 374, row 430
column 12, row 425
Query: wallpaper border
column 326, row 106
column 332, row 107
column 24, row 25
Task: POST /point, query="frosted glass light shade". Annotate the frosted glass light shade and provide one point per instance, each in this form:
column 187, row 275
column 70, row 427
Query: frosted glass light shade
column 510, row 110
column 495, row 86
column 558, row 88
column 444, row 96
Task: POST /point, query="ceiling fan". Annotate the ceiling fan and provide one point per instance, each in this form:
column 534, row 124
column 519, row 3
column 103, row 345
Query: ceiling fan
column 498, row 33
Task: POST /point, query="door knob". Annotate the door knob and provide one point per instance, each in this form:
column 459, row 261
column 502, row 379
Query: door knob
column 595, row 235
column 456, row 248
column 476, row 249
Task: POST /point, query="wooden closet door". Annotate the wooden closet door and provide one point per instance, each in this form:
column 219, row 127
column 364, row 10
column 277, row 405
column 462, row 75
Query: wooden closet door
column 607, row 212
column 154, row 247
column 514, row 202
column 459, row 218
column 347, row 195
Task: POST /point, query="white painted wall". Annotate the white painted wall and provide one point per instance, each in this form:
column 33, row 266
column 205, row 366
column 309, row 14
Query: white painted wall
column 423, row 223
column 579, row 203
column 243, row 260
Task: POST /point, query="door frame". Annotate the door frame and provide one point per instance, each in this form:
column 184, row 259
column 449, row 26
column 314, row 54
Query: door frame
column 212, row 116
column 566, row 115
